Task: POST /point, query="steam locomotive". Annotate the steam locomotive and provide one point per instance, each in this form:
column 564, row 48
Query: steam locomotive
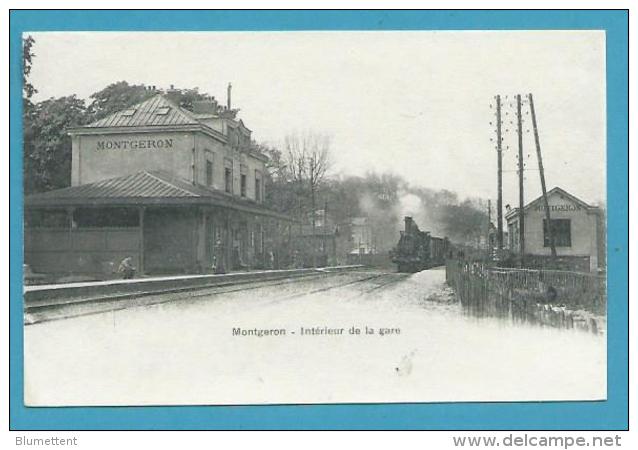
column 417, row 250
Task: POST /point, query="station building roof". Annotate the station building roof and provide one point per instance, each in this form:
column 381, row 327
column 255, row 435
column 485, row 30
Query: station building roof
column 156, row 111
column 146, row 188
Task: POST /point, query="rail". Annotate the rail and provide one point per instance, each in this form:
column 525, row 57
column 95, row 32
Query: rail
column 38, row 295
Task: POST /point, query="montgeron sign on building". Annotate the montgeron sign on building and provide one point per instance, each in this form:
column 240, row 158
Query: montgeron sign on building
column 125, row 144
column 567, row 207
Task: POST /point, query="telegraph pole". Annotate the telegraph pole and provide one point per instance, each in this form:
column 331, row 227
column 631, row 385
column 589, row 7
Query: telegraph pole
column 489, row 223
column 550, row 233
column 521, row 200
column 499, row 154
column 325, row 228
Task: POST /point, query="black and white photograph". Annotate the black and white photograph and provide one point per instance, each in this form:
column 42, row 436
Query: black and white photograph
column 314, row 217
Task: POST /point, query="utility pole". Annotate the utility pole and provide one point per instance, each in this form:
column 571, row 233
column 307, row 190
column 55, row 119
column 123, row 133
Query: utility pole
column 300, row 217
column 325, row 229
column 521, row 198
column 550, row 232
column 489, row 223
column 301, row 245
column 499, row 154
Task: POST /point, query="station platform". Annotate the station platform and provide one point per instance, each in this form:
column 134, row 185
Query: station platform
column 45, row 293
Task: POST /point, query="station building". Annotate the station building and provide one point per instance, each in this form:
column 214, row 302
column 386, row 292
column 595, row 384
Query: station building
column 578, row 231
column 177, row 190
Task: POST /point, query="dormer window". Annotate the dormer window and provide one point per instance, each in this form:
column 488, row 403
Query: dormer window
column 233, row 138
column 162, row 110
column 128, row 112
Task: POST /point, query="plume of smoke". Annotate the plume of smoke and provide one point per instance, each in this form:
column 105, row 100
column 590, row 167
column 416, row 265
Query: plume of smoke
column 386, row 199
column 421, row 210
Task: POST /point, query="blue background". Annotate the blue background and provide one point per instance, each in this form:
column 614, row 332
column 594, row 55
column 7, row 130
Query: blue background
column 610, row 414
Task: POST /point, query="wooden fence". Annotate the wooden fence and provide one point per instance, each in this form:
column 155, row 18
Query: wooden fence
column 547, row 297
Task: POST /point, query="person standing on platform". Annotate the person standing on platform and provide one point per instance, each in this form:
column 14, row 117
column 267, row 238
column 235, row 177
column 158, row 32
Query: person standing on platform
column 126, row 268
column 219, row 257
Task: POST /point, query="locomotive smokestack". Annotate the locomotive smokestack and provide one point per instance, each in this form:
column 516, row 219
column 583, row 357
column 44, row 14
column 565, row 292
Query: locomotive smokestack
column 408, row 223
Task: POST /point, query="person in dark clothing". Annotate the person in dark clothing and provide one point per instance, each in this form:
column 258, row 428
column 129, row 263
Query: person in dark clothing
column 551, row 294
column 126, row 268
column 548, row 291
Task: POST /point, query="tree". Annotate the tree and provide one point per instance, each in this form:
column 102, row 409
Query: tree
column 47, row 147
column 121, row 95
column 280, row 193
column 465, row 222
column 27, row 61
column 308, row 159
column 116, row 97
column 27, row 106
column 186, row 97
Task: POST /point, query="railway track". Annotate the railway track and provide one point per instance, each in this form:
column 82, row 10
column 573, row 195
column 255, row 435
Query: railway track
column 393, row 279
column 70, row 308
column 396, row 278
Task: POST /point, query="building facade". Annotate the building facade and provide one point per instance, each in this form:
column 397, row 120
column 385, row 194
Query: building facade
column 177, row 190
column 316, row 246
column 577, row 228
column 363, row 239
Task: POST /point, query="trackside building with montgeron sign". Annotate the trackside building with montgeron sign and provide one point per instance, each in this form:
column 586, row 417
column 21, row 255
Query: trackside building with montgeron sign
column 177, row 190
column 578, row 230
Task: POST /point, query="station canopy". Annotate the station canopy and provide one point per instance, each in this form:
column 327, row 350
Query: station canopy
column 145, row 188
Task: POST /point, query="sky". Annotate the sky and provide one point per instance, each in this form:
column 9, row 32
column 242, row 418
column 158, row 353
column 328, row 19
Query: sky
column 415, row 104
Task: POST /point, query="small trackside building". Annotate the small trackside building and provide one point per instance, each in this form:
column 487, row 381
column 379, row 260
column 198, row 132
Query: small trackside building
column 578, row 230
column 177, row 190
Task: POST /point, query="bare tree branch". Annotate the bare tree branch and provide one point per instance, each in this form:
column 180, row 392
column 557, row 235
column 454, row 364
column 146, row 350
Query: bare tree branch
column 308, row 157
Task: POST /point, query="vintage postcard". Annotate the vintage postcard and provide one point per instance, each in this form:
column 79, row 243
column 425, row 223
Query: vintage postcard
column 224, row 218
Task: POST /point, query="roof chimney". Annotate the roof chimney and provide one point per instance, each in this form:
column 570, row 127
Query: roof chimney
column 228, row 103
column 205, row 106
column 174, row 95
